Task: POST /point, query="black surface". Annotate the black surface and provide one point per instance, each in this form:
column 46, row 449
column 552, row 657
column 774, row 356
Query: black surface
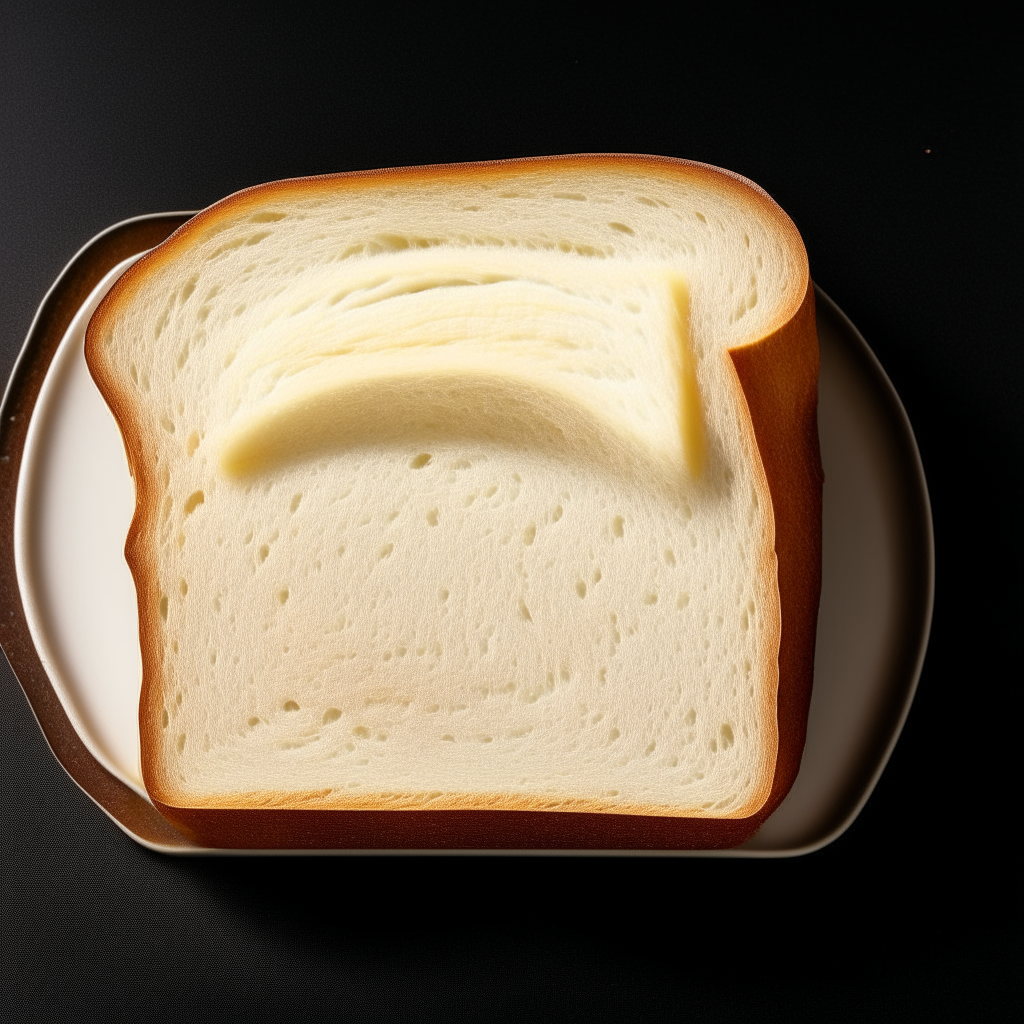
column 898, row 158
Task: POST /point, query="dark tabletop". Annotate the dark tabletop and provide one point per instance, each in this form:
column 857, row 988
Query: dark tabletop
column 894, row 154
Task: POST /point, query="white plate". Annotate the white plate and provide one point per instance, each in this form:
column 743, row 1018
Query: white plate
column 75, row 499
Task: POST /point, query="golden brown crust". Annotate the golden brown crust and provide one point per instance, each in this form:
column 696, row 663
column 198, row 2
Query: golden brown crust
column 332, row 800
column 778, row 377
column 744, row 190
column 258, row 829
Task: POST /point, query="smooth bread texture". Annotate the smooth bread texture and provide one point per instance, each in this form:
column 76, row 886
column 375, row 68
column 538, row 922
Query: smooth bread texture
column 449, row 498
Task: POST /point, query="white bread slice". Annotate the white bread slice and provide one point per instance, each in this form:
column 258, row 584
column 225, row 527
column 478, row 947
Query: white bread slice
column 451, row 499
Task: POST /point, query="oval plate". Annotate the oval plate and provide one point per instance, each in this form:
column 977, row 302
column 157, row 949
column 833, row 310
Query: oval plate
column 67, row 614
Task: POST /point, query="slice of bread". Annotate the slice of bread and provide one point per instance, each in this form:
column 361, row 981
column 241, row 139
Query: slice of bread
column 477, row 505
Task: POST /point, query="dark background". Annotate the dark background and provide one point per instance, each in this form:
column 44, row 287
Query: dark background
column 898, row 156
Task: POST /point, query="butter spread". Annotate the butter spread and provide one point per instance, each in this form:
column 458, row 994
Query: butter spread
column 554, row 352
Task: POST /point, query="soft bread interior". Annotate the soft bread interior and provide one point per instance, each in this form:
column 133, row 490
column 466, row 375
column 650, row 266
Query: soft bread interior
column 448, row 495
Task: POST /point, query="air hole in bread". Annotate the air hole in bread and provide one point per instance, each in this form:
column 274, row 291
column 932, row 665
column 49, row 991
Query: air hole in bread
column 193, row 501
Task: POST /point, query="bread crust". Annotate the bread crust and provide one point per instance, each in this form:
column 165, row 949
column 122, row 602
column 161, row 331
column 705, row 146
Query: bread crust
column 777, row 377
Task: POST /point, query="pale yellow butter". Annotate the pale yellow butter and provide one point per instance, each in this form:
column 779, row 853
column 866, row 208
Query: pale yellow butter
column 559, row 354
